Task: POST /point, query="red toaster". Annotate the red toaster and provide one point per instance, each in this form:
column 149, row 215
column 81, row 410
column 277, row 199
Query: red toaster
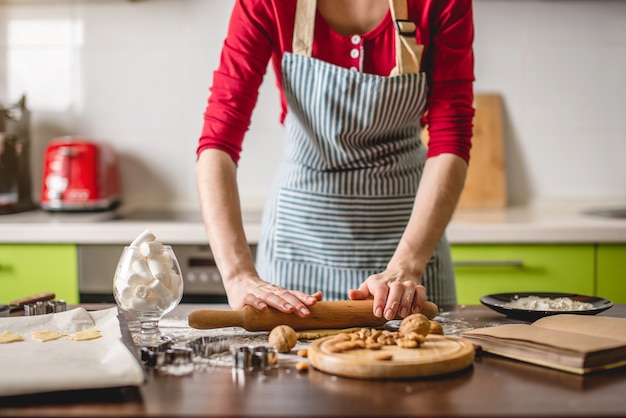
column 80, row 175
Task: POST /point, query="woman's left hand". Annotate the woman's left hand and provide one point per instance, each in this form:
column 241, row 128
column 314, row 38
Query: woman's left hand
column 394, row 292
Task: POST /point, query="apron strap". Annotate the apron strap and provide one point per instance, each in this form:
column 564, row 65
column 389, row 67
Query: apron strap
column 303, row 27
column 408, row 52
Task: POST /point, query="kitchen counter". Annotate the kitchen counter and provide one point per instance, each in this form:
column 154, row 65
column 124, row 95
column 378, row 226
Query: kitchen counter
column 492, row 386
column 556, row 222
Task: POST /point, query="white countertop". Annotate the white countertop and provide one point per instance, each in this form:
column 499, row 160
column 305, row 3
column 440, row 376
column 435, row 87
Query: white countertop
column 561, row 222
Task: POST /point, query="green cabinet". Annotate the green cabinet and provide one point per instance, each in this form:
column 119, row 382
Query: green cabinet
column 611, row 272
column 27, row 269
column 483, row 269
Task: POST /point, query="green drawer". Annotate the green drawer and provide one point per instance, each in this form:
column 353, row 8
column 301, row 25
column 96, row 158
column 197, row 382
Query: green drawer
column 27, row 269
column 495, row 268
column 611, row 272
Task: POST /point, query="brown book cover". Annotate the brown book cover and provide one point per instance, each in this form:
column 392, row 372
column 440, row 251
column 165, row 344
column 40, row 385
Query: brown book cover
column 574, row 343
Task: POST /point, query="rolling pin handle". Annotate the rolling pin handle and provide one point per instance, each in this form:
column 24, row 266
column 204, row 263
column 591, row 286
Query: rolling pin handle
column 430, row 310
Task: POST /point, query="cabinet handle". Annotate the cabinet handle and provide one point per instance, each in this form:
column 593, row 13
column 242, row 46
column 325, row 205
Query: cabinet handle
column 489, row 263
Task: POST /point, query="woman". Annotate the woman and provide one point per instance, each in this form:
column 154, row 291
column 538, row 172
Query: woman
column 345, row 215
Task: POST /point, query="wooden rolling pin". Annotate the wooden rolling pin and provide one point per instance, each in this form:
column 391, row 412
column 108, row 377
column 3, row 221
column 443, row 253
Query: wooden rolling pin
column 334, row 315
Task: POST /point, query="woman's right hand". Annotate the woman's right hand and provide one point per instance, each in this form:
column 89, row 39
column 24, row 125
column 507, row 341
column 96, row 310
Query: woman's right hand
column 260, row 294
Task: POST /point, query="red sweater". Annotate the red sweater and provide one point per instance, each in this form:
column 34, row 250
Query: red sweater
column 261, row 30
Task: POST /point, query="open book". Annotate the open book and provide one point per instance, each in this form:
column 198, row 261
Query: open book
column 574, row 343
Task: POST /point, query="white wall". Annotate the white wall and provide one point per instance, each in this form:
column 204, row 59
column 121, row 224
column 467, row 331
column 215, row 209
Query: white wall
column 136, row 74
column 561, row 68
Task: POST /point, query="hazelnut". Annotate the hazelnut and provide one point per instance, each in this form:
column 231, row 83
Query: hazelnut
column 302, row 366
column 417, row 323
column 283, row 338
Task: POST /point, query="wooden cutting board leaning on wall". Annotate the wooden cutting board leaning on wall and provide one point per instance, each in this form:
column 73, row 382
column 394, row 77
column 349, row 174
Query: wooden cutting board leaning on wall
column 485, row 186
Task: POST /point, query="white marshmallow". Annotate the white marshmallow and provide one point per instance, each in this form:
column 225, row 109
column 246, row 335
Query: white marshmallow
column 151, row 248
column 140, row 267
column 163, row 258
column 142, row 291
column 160, row 270
column 126, row 294
column 123, row 266
column 165, row 279
column 161, row 292
column 135, row 279
column 176, row 283
column 145, row 236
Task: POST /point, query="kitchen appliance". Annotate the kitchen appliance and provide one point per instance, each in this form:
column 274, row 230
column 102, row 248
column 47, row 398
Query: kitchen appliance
column 201, row 277
column 80, row 175
column 202, row 280
column 15, row 178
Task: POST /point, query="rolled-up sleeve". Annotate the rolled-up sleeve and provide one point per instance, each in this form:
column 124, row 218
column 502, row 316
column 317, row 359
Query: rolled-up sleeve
column 450, row 68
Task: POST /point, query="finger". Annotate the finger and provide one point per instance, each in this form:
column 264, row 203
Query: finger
column 255, row 302
column 419, row 298
column 380, row 293
column 306, row 299
column 318, row 295
column 275, row 301
column 396, row 290
column 406, row 303
column 362, row 292
column 294, row 299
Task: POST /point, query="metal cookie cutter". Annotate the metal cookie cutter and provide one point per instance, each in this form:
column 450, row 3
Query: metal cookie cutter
column 207, row 346
column 255, row 358
column 164, row 358
column 165, row 354
column 156, row 356
column 45, row 307
column 179, row 362
column 179, row 356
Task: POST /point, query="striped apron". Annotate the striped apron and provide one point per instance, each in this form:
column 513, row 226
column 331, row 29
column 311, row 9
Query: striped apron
column 345, row 187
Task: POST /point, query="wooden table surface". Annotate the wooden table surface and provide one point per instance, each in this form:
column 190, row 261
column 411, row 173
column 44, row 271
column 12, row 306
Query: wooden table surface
column 491, row 387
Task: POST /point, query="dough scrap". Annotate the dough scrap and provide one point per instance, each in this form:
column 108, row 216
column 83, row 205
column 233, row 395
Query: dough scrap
column 9, row 337
column 47, row 335
column 314, row 334
column 88, row 334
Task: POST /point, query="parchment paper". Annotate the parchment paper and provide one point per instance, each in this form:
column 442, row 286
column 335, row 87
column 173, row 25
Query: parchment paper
column 31, row 366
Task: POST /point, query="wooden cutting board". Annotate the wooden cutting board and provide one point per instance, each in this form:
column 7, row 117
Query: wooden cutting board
column 438, row 355
column 485, row 185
